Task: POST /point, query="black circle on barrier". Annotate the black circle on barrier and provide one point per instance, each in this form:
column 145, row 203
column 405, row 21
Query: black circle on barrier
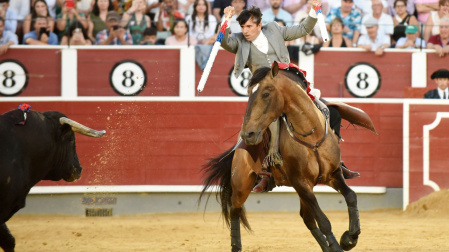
column 239, row 85
column 128, row 77
column 13, row 77
column 362, row 80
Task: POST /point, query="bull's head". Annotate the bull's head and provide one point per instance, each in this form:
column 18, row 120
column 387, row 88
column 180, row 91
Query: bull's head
column 67, row 165
column 265, row 104
column 77, row 127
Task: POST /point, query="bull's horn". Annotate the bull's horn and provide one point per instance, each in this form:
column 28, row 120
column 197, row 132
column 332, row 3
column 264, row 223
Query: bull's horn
column 78, row 127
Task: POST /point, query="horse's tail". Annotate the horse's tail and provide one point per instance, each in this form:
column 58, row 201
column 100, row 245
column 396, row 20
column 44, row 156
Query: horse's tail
column 217, row 172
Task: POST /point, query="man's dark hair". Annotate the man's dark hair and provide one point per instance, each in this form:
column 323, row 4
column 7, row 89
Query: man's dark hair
column 254, row 13
column 404, row 1
column 151, row 31
column 4, row 1
column 279, row 21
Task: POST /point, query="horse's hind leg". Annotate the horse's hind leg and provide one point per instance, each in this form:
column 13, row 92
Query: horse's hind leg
column 349, row 238
column 310, row 223
column 7, row 241
column 242, row 181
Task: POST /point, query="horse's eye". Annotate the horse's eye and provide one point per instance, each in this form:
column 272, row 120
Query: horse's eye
column 265, row 95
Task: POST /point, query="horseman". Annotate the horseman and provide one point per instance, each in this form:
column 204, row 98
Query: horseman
column 259, row 46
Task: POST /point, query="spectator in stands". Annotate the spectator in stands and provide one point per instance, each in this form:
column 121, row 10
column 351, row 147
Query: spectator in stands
column 69, row 15
column 276, row 11
column 391, row 9
column 219, row 6
column 296, row 6
column 440, row 42
column 239, row 6
column 53, row 5
column 337, row 38
column 384, row 21
column 149, row 36
column 40, row 8
column 41, row 35
column 201, row 24
column 441, row 78
column 97, row 18
column 261, row 4
column 120, row 6
column 114, row 34
column 21, row 7
column 7, row 38
column 433, row 21
column 167, row 15
column 9, row 15
column 411, row 41
column 351, row 17
column 424, row 7
column 333, row 4
column 186, row 6
column 76, row 35
column 153, row 9
column 84, row 6
column 401, row 20
column 136, row 20
column 180, row 36
column 365, row 6
column 373, row 41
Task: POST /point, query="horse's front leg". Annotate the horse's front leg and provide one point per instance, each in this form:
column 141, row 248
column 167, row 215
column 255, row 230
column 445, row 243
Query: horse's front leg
column 349, row 238
column 311, row 225
column 306, row 195
column 242, row 181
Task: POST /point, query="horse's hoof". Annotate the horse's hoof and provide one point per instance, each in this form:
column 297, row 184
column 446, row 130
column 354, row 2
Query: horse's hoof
column 236, row 248
column 347, row 242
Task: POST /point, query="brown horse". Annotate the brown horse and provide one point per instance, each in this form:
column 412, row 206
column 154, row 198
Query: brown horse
column 309, row 158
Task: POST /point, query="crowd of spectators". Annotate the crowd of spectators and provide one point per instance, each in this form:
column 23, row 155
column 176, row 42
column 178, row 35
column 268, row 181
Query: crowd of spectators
column 369, row 24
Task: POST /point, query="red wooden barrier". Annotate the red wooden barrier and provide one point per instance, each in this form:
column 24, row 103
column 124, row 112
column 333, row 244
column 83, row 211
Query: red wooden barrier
column 166, row 143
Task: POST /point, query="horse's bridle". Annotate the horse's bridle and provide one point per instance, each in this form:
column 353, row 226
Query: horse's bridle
column 314, row 147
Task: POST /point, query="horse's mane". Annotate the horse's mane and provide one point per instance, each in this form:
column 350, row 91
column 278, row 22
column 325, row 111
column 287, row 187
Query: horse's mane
column 293, row 74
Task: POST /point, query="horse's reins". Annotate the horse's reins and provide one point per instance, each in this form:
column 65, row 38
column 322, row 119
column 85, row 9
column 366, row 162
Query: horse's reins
column 314, row 147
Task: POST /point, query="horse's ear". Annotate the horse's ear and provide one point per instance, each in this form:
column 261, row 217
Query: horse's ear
column 274, row 69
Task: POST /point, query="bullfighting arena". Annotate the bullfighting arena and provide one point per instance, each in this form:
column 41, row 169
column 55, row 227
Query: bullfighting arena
column 422, row 227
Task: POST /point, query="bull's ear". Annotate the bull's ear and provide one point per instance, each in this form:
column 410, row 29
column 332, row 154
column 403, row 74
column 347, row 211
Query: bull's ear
column 274, row 69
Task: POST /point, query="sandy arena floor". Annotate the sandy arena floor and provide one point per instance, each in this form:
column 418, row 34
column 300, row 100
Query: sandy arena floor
column 421, row 228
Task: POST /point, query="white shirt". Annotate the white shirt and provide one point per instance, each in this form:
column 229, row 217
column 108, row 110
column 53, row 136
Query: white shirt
column 22, row 8
column 261, row 43
column 443, row 93
column 379, row 41
column 365, row 6
column 200, row 32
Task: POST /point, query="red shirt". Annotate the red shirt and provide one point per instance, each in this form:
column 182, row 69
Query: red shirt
column 436, row 40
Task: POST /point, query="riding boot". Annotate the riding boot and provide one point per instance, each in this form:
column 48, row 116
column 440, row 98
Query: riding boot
column 273, row 157
column 348, row 174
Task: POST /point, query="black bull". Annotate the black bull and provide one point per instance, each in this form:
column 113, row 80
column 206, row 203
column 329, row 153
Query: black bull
column 41, row 149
